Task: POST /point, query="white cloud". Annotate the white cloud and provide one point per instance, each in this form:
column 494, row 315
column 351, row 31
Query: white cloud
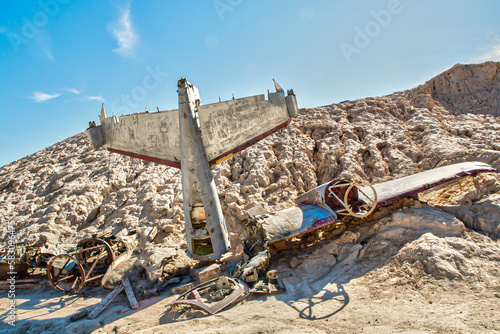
column 73, row 90
column 124, row 34
column 96, row 98
column 492, row 53
column 47, row 51
column 42, row 97
column 44, row 41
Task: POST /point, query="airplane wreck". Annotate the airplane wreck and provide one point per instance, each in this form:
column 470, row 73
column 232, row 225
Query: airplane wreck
column 197, row 137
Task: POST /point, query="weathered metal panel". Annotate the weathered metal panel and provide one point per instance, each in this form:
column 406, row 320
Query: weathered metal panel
column 95, row 136
column 391, row 191
column 291, row 104
column 154, row 135
column 314, row 196
column 229, row 127
column 295, row 220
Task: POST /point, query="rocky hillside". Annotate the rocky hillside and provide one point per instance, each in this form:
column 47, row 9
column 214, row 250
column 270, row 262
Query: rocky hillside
column 436, row 256
column 68, row 191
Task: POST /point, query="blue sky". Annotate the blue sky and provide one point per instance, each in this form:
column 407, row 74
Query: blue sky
column 60, row 59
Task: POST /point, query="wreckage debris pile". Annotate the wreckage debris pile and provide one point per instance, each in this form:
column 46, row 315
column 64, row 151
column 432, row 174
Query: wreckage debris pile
column 68, row 191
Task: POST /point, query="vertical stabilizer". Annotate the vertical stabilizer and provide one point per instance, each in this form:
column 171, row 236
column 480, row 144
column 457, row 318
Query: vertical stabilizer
column 103, row 116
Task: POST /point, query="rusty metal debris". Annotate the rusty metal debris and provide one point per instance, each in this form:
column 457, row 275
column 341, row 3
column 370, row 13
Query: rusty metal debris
column 27, row 257
column 68, row 267
column 70, row 272
column 270, row 285
column 214, row 295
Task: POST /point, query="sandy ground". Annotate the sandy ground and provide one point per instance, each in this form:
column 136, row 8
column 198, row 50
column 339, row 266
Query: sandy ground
column 382, row 295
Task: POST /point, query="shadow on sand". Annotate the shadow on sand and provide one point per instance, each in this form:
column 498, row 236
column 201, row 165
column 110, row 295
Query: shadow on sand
column 310, row 308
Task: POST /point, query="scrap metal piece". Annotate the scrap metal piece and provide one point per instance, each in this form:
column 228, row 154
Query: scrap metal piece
column 26, row 257
column 391, row 191
column 257, row 263
column 334, row 194
column 270, row 285
column 207, row 296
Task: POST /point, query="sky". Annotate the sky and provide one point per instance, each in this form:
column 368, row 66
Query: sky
column 61, row 59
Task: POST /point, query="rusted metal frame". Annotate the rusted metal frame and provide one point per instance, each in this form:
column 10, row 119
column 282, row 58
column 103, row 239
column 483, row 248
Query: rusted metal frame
column 366, row 204
column 74, row 283
column 330, row 192
column 374, row 200
column 55, row 283
column 65, row 279
column 93, row 278
column 60, row 271
column 241, row 290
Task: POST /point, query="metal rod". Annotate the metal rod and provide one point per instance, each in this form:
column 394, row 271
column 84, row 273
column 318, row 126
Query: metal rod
column 93, row 265
column 74, row 283
column 64, row 279
column 59, row 273
column 94, row 278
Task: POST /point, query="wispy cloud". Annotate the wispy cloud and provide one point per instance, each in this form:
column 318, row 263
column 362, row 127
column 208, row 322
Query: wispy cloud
column 96, row 98
column 44, row 42
column 491, row 53
column 124, row 33
column 42, row 97
column 73, row 90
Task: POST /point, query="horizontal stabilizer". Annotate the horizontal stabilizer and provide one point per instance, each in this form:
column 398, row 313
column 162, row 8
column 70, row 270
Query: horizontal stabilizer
column 226, row 128
column 148, row 136
column 231, row 126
